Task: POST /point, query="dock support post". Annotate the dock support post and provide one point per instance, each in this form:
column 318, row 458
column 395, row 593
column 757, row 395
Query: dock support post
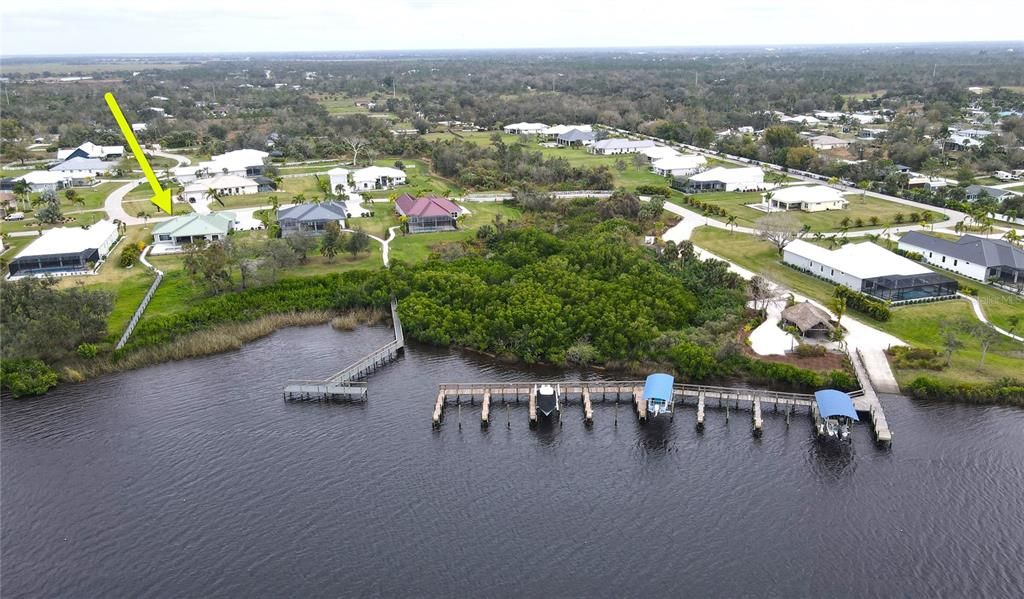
column 485, row 410
column 460, row 415
column 727, row 414
column 533, row 406
column 758, row 422
column 439, row 408
column 700, row 410
column 508, row 418
column 588, row 408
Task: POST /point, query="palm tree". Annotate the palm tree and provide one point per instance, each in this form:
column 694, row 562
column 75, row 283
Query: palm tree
column 22, row 190
column 926, row 218
column 898, row 219
column 731, row 222
column 214, row 194
column 874, row 221
column 845, row 222
column 73, row 197
column 838, row 305
column 1011, row 236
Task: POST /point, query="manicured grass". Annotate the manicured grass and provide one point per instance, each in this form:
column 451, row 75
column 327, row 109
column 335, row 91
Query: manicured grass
column 145, row 207
column 919, row 324
column 30, row 224
column 156, row 162
column 1019, row 188
column 383, row 218
column 418, row 247
column 862, row 207
column 308, row 168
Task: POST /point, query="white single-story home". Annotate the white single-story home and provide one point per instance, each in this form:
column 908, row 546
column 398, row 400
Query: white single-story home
column 225, row 185
column 139, row 127
column 555, row 131
column 82, row 170
column 827, row 142
column 525, row 128
column 659, row 152
column 90, row 150
column 868, row 268
column 171, row 235
column 809, row 198
column 65, row 250
column 620, row 146
column 680, row 165
column 377, row 177
column 961, row 142
column 749, row 178
column 338, row 177
column 977, row 258
column 576, row 137
column 43, row 180
column 242, row 163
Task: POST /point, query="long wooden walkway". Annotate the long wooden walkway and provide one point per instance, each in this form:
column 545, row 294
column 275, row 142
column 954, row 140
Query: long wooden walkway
column 587, row 393
column 345, row 383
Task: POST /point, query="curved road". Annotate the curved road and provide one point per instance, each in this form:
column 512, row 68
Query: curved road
column 112, row 205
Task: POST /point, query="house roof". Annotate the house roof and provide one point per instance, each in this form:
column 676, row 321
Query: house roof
column 560, row 129
column 372, row 173
column 425, row 206
column 995, row 192
column 730, row 175
column 70, row 240
column 527, row 126
column 623, row 144
column 807, row 194
column 680, row 162
column 216, row 223
column 659, row 152
column 43, row 177
column 219, row 182
column 313, row 212
column 835, row 403
column 577, row 135
column 91, row 150
column 807, row 316
column 82, row 164
column 863, row 260
column 828, row 140
column 977, row 250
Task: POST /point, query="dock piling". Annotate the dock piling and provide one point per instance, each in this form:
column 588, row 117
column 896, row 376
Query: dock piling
column 485, row 410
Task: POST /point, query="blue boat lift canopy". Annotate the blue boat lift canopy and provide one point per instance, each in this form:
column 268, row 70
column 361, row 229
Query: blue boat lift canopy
column 658, row 387
column 835, row 403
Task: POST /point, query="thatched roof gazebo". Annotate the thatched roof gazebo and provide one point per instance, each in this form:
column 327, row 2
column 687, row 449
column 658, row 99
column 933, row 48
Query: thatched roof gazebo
column 808, row 318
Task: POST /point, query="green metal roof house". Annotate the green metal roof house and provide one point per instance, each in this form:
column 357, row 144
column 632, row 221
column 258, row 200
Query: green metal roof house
column 169, row 236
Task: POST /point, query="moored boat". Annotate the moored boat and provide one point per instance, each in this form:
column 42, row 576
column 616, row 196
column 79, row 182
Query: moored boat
column 547, row 400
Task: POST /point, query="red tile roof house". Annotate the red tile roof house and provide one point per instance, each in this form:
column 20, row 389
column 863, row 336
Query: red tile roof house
column 429, row 213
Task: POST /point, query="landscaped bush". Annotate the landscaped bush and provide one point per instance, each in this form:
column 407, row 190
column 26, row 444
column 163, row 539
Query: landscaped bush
column 917, row 358
column 87, row 350
column 808, row 350
column 129, row 256
column 653, row 190
column 968, row 290
column 26, row 377
column 865, row 304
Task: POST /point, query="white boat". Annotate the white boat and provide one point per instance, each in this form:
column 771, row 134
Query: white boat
column 547, row 400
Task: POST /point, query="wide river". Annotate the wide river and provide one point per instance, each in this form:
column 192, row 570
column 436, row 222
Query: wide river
column 195, row 479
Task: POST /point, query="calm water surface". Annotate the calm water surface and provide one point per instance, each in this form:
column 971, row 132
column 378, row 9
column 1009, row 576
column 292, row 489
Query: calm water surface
column 195, row 479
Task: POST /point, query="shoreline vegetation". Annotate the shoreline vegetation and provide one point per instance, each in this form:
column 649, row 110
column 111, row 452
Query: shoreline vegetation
column 570, row 285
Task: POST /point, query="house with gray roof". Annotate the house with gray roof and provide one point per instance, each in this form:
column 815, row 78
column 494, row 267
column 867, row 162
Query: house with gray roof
column 310, row 219
column 977, row 258
column 575, row 137
column 172, row 235
column 974, row 192
column 82, row 171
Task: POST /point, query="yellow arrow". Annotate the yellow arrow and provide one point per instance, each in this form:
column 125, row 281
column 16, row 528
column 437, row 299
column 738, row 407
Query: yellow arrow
column 161, row 197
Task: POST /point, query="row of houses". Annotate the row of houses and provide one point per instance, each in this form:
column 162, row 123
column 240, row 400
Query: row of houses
column 76, row 167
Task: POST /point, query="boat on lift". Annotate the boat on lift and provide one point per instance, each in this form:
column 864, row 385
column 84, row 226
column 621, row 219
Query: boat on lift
column 658, row 394
column 836, row 414
column 548, row 401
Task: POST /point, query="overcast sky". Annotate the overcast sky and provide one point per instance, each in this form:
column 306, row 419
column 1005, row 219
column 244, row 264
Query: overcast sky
column 175, row 26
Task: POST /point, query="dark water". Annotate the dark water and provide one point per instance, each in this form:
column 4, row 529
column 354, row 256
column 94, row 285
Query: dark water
column 196, row 480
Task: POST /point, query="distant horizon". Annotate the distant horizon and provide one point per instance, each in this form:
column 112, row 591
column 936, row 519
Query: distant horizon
column 127, row 27
column 894, row 45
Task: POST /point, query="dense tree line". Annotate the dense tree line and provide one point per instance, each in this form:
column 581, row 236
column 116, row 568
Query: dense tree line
column 500, row 166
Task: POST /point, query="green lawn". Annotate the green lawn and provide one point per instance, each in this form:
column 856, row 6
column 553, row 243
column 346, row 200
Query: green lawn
column 862, row 207
column 418, row 247
column 309, row 168
column 155, row 162
column 30, row 224
column 918, row 324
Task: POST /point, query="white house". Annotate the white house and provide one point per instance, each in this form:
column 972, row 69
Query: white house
column 377, row 177
column 242, row 163
column 974, row 257
column 171, row 235
column 827, row 142
column 82, row 170
column 338, row 176
column 65, row 250
column 556, row 130
column 525, row 128
column 749, row 178
column 659, row 152
column 809, row 198
column 620, row 146
column 43, row 180
column 139, row 127
column 868, row 268
column 90, row 150
column 800, row 119
column 225, row 185
column 680, row 165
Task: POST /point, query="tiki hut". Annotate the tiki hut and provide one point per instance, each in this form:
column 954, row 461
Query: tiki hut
column 809, row 319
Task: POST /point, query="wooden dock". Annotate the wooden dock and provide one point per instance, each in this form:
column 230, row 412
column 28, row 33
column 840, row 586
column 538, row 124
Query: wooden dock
column 866, row 400
column 587, row 393
column 345, row 383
